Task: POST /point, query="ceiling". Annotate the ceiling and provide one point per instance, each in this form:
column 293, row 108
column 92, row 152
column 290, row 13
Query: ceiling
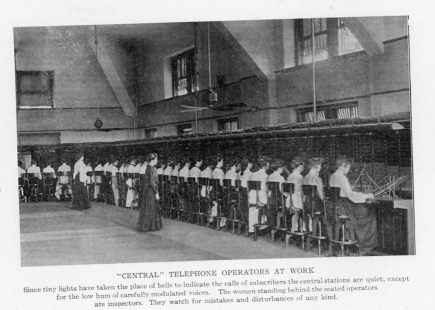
column 160, row 34
column 149, row 32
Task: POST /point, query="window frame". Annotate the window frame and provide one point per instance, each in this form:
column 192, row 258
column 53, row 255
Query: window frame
column 147, row 131
column 190, row 56
column 333, row 28
column 183, row 126
column 50, row 92
column 221, row 122
column 300, row 39
column 330, row 111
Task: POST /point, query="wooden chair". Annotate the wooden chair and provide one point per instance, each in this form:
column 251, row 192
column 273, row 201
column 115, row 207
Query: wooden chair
column 204, row 202
column 183, row 199
column 243, row 206
column 191, row 194
column 288, row 189
column 216, row 196
column 260, row 226
column 98, row 181
column 21, row 195
column 35, row 193
column 173, row 195
column 166, row 200
column 49, row 186
column 64, row 180
column 276, row 204
column 341, row 229
column 231, row 203
column 301, row 231
column 108, row 191
column 310, row 196
column 90, row 187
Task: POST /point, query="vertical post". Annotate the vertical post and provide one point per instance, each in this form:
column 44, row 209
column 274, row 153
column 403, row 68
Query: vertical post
column 195, row 36
column 313, row 50
column 209, row 52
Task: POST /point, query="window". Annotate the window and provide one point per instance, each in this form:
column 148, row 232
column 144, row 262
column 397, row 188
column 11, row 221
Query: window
column 347, row 43
column 183, row 73
column 150, row 133
column 309, row 116
column 35, row 89
column 332, row 38
column 347, row 112
column 228, row 124
column 184, row 129
column 304, row 40
column 340, row 111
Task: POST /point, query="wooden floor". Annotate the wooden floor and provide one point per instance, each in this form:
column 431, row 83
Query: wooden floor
column 53, row 234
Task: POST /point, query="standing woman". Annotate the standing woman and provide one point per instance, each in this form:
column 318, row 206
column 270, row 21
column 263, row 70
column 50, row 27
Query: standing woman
column 149, row 211
column 80, row 199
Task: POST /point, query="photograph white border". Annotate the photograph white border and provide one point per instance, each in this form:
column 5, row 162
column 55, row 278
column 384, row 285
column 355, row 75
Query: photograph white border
column 420, row 268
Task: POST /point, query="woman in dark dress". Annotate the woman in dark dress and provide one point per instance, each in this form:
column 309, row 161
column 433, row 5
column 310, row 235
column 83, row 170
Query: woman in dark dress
column 149, row 210
column 80, row 199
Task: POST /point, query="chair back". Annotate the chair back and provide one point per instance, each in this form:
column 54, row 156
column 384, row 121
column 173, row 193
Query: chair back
column 216, row 183
column 254, row 185
column 227, row 183
column 191, row 181
column 33, row 179
column 48, row 178
column 173, row 179
column 309, row 190
column 238, row 184
column 332, row 193
column 273, row 187
column 275, row 196
column 204, row 181
column 288, row 188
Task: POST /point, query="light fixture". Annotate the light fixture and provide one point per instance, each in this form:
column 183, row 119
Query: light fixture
column 212, row 97
column 98, row 122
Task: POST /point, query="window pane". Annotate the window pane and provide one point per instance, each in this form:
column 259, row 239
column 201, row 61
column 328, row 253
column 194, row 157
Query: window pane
column 150, row 133
column 330, row 112
column 34, row 88
column 228, row 124
column 321, row 41
column 34, row 82
column 309, row 116
column 347, row 112
column 306, row 24
column 184, row 77
column 35, row 100
column 184, row 129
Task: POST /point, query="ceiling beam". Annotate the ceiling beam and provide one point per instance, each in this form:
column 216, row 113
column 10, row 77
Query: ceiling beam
column 112, row 76
column 238, row 48
column 367, row 32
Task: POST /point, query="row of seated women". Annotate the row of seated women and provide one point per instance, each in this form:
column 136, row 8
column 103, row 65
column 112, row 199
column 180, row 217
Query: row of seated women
column 244, row 195
column 263, row 195
column 36, row 185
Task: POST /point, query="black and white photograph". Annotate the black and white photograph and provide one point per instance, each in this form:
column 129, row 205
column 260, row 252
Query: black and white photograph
column 214, row 140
